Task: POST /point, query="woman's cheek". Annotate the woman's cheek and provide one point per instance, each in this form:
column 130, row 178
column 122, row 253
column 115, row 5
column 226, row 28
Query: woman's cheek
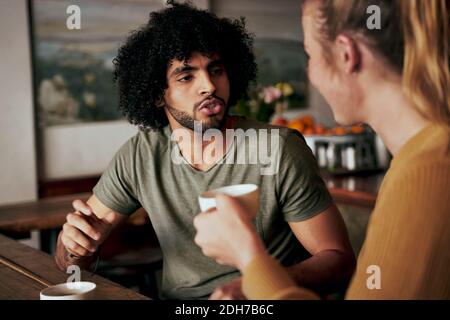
column 312, row 75
column 318, row 79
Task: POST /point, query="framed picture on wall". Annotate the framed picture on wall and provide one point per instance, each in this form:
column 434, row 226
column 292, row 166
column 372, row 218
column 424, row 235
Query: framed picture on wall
column 74, row 48
column 79, row 124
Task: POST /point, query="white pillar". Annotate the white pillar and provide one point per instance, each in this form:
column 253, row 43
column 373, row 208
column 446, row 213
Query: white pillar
column 18, row 180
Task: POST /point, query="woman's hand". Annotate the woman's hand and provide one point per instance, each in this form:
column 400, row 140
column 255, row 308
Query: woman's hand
column 226, row 233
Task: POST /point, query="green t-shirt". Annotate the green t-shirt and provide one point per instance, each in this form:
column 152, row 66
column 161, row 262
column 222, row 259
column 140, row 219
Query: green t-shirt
column 143, row 173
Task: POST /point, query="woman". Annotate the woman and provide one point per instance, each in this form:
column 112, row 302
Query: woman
column 397, row 80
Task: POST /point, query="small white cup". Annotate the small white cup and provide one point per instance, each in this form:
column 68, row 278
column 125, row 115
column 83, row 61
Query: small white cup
column 81, row 290
column 246, row 194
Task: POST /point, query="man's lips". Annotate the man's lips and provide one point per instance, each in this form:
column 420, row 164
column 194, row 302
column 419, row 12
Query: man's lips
column 211, row 106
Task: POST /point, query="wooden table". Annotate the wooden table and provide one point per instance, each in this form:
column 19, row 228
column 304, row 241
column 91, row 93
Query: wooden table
column 359, row 189
column 16, row 286
column 43, row 214
column 46, row 215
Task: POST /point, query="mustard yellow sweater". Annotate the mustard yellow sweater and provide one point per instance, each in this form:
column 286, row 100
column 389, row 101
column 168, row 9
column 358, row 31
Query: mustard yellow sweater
column 406, row 253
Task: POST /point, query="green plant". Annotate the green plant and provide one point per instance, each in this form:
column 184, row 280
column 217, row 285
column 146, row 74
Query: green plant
column 265, row 100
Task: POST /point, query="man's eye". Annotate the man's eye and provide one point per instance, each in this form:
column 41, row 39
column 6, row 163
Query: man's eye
column 217, row 71
column 185, row 78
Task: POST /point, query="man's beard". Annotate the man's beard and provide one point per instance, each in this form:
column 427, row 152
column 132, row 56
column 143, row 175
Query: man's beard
column 188, row 121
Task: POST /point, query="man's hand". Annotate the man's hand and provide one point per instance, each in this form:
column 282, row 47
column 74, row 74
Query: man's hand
column 84, row 232
column 230, row 291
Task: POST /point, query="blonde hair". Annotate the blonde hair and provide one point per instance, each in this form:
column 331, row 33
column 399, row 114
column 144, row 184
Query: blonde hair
column 413, row 40
column 426, row 75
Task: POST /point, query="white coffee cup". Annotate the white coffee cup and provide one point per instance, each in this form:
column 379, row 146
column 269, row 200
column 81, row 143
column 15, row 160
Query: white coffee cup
column 246, row 194
column 81, row 290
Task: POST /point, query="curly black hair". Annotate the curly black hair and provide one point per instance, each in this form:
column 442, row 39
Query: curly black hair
column 175, row 33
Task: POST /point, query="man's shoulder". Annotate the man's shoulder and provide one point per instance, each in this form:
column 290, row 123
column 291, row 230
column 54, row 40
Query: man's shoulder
column 288, row 143
column 284, row 132
column 144, row 143
column 149, row 138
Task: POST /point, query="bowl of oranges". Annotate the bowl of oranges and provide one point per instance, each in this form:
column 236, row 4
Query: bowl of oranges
column 308, row 126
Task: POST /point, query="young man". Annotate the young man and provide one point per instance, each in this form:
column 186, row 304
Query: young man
column 180, row 73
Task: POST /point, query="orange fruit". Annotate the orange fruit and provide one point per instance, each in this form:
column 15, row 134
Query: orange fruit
column 357, row 129
column 339, row 131
column 294, row 122
column 320, row 129
column 280, row 121
column 308, row 120
column 297, row 126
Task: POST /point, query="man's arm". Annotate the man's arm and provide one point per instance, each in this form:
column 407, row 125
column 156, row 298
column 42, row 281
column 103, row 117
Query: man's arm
column 333, row 262
column 84, row 231
column 325, row 236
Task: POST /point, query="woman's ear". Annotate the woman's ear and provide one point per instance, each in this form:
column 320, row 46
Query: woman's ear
column 347, row 54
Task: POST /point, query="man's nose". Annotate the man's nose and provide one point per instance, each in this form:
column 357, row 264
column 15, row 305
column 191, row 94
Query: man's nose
column 206, row 87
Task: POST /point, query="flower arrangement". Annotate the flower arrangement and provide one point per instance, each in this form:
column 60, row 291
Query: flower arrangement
column 265, row 100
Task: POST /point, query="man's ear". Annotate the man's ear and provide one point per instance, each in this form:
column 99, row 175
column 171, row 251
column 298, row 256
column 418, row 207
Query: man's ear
column 160, row 103
column 347, row 53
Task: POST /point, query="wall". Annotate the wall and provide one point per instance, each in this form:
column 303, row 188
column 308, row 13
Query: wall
column 265, row 18
column 17, row 138
column 73, row 151
column 276, row 19
column 84, row 149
